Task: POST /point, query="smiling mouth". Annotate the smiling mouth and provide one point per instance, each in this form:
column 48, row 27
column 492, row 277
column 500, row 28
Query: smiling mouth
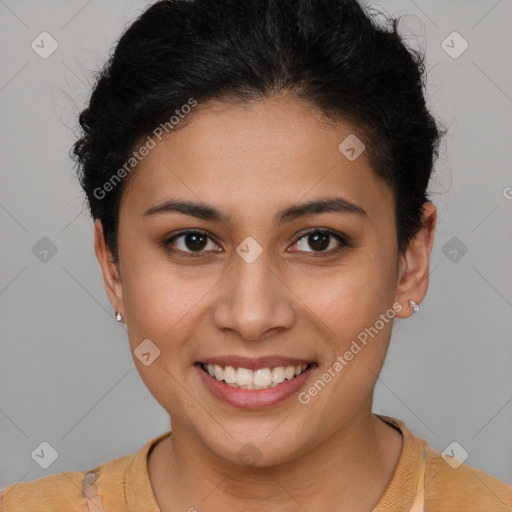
column 261, row 378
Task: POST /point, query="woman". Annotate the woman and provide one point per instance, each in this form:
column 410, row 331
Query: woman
column 257, row 174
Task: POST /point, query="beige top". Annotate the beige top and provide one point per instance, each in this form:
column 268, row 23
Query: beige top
column 422, row 482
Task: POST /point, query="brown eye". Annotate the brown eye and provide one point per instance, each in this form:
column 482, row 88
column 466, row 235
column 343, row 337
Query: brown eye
column 191, row 241
column 321, row 242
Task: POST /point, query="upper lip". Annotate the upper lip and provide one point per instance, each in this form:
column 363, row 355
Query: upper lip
column 254, row 363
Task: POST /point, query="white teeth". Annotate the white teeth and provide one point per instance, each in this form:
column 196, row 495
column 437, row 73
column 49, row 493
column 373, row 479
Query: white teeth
column 278, row 375
column 243, row 377
column 289, row 372
column 262, row 378
column 230, row 375
column 219, row 374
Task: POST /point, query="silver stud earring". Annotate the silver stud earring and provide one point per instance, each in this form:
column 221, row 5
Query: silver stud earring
column 118, row 316
column 414, row 306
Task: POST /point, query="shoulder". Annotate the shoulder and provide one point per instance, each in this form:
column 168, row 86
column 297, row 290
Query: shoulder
column 458, row 486
column 434, row 482
column 68, row 492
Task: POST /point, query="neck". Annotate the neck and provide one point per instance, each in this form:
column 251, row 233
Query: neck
column 349, row 471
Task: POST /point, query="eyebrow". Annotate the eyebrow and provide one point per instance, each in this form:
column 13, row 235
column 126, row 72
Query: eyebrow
column 205, row 212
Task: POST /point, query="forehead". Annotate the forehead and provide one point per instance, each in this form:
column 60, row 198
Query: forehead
column 274, row 152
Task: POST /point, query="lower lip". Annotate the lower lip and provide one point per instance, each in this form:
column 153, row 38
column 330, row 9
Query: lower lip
column 253, row 398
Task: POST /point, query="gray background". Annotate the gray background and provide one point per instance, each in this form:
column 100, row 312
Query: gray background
column 66, row 373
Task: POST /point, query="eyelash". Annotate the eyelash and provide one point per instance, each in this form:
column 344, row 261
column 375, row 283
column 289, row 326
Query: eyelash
column 342, row 239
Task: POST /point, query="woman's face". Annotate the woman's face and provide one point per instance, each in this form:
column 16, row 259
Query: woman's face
column 260, row 283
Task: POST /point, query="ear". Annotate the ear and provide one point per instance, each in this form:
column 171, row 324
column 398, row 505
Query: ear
column 109, row 268
column 414, row 264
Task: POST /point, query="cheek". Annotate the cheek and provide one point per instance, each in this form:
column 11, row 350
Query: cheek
column 350, row 304
column 165, row 307
column 352, row 294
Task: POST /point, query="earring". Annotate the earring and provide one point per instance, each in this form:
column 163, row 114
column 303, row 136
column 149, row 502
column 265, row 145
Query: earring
column 414, row 306
column 118, row 316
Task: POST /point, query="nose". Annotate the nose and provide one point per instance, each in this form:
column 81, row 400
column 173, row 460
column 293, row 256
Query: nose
column 254, row 300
